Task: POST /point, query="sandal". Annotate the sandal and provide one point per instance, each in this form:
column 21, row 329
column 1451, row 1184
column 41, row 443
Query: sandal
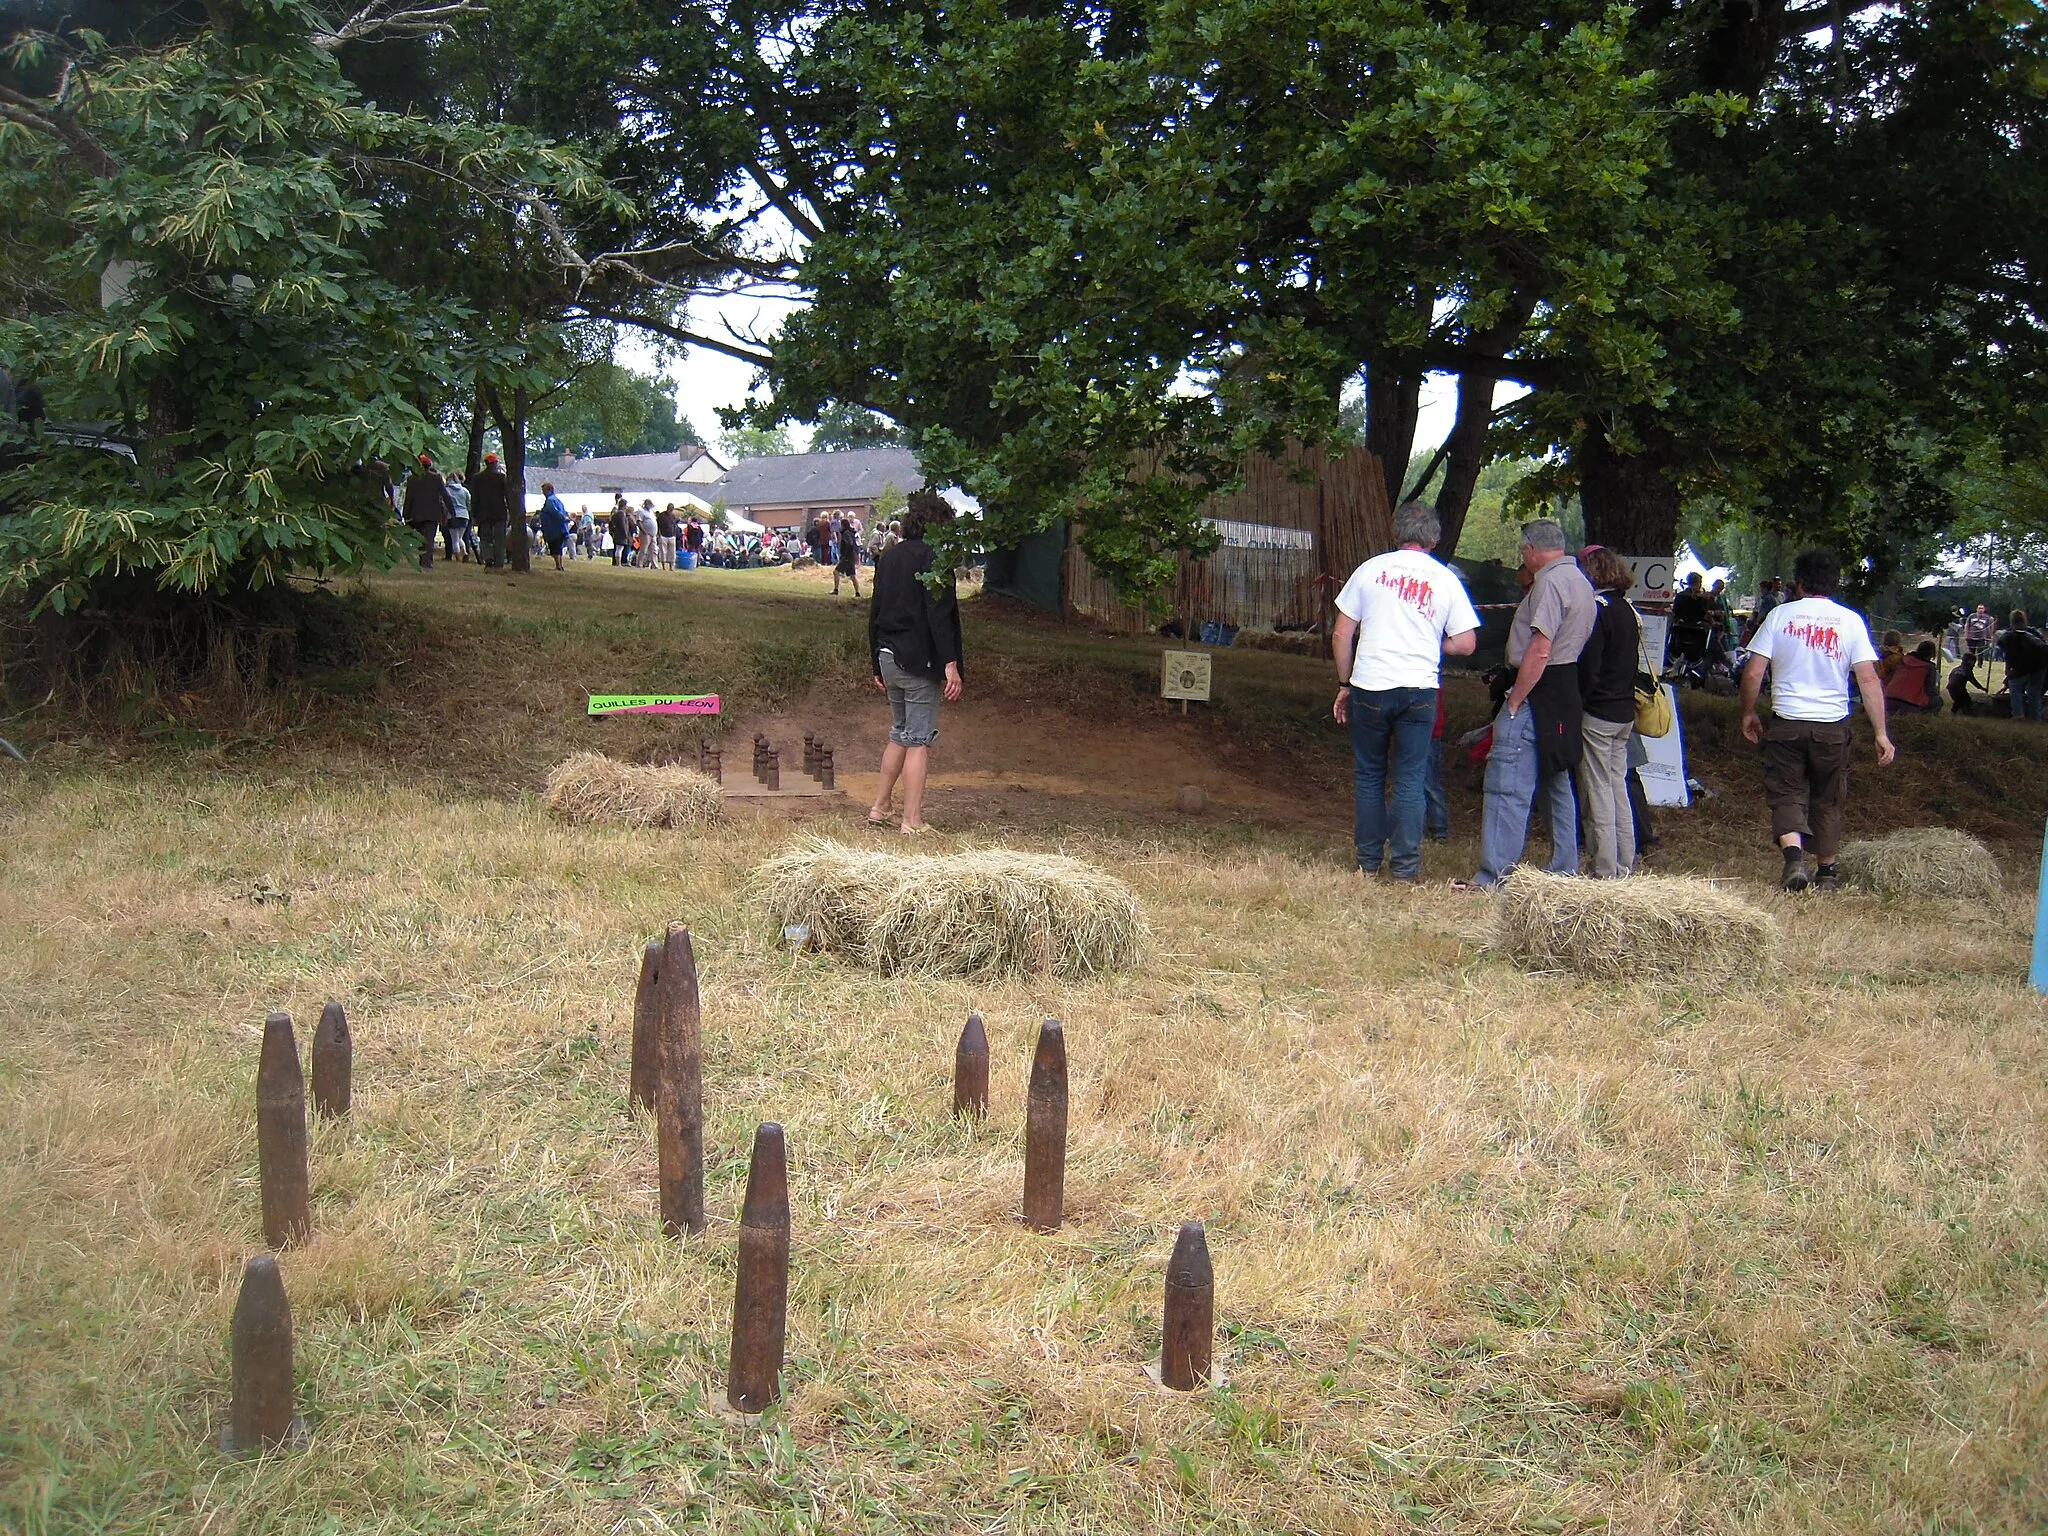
column 1467, row 888
column 916, row 831
column 878, row 821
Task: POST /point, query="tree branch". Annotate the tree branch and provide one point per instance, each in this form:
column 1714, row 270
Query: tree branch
column 395, row 18
column 29, row 113
column 673, row 332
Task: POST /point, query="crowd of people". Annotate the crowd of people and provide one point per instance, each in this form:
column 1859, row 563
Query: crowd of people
column 1563, row 737
column 468, row 519
column 1913, row 679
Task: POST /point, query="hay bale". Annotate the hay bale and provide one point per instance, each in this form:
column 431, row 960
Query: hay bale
column 1649, row 927
column 987, row 912
column 1923, row 861
column 590, row 787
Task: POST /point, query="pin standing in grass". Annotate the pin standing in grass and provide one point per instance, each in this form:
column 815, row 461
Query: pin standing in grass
column 679, row 1096
column 260, row 1348
column 334, row 1063
column 1045, row 1131
column 970, row 1071
column 281, row 1135
column 1813, row 646
column 760, row 1311
column 645, row 1076
column 1188, row 1329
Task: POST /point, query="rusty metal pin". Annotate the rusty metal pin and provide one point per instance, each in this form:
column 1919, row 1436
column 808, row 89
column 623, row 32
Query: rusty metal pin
column 970, row 1070
column 334, row 1063
column 260, row 1347
column 760, row 1309
column 1190, row 1317
column 646, row 1068
column 281, row 1135
column 774, row 774
column 1045, row 1131
column 679, row 1095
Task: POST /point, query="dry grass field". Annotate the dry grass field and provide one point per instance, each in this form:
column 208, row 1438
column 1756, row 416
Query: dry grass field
column 1496, row 1252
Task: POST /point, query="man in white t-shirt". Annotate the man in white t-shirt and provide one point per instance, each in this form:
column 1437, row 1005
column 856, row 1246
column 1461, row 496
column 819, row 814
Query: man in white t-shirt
column 1397, row 617
column 1813, row 646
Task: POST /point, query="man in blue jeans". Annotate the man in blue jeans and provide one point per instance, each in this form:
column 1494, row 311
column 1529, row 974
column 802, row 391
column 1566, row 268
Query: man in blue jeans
column 1398, row 616
column 1536, row 736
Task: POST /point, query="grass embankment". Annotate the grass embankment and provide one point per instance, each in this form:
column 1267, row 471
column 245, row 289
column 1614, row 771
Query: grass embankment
column 1495, row 1252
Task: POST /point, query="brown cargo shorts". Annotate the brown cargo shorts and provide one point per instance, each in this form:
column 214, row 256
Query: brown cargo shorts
column 1806, row 781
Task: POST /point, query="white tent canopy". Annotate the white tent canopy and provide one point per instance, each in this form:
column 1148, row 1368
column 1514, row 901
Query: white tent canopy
column 599, row 505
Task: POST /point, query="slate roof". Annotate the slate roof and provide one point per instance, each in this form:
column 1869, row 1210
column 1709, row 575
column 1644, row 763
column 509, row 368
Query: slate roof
column 816, row 479
column 642, row 466
column 581, row 479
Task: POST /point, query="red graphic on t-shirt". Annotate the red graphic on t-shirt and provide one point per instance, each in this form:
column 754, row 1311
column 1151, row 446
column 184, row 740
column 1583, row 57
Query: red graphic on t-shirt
column 1824, row 638
column 1412, row 590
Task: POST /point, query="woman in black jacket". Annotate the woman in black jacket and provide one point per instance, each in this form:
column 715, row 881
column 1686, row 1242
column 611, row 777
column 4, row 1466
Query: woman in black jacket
column 1607, row 693
column 914, row 642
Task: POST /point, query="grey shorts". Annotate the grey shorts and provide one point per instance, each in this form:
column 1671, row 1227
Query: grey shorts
column 913, row 705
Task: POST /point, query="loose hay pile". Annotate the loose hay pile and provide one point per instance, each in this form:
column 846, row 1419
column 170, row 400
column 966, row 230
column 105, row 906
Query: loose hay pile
column 1661, row 927
column 593, row 788
column 989, row 912
column 1922, row 861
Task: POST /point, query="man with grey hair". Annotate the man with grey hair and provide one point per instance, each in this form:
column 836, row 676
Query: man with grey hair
column 1397, row 617
column 1537, row 739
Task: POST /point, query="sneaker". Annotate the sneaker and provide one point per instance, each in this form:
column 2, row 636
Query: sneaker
column 1827, row 878
column 1795, row 875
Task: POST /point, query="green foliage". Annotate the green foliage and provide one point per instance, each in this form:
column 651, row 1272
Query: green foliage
column 608, row 409
column 263, row 366
column 1089, row 264
column 889, row 503
column 753, row 442
column 841, row 426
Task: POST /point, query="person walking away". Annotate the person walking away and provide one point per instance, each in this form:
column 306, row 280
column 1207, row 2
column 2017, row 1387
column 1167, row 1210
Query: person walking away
column 1398, row 616
column 427, row 508
column 621, row 533
column 1915, row 683
column 490, row 510
column 1813, row 646
column 1607, row 692
column 1538, row 735
column 554, row 523
column 459, row 539
column 914, row 643
column 2026, row 665
column 665, row 538
column 848, row 564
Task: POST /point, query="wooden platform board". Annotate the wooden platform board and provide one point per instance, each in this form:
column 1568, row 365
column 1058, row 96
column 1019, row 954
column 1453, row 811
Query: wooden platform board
column 797, row 786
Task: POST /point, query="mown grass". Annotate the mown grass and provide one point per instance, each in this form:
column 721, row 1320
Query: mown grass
column 1495, row 1252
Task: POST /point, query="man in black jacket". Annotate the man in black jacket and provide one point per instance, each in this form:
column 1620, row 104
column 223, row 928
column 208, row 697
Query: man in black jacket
column 914, row 643
column 490, row 511
column 426, row 508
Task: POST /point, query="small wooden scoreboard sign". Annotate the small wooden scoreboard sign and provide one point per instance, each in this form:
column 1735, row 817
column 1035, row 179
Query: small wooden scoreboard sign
column 1184, row 675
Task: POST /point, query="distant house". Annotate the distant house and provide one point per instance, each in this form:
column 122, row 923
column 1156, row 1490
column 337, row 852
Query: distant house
column 683, row 477
column 793, row 490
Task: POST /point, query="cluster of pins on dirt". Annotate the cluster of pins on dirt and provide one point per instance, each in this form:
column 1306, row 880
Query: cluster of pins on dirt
column 666, row 1078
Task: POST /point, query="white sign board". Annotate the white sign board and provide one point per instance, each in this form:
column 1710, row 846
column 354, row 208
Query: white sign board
column 1655, row 577
column 1663, row 775
column 1184, row 675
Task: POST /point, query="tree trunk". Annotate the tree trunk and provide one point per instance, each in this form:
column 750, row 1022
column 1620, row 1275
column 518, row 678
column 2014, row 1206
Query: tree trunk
column 170, row 415
column 1393, row 402
column 473, row 458
column 1393, row 405
column 1467, row 442
column 516, row 550
column 1630, row 500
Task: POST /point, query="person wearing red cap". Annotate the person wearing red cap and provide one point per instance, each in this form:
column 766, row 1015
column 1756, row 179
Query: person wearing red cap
column 427, row 508
column 490, row 509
